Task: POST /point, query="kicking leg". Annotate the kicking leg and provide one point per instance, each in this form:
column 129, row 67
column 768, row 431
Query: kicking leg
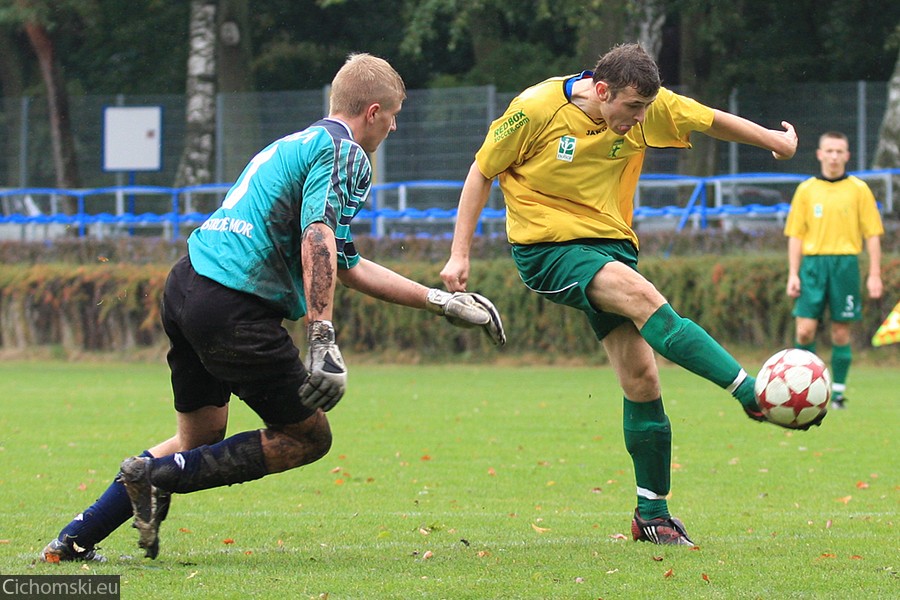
column 619, row 289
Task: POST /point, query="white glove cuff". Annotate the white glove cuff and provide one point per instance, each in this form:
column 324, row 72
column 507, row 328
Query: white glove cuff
column 320, row 332
column 436, row 300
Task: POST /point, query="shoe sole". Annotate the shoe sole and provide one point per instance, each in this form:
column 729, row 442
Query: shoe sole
column 149, row 503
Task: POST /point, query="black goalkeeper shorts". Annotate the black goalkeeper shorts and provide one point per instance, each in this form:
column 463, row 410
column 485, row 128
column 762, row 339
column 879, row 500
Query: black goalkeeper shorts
column 227, row 342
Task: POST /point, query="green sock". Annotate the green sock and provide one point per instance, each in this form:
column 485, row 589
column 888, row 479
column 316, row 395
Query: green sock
column 810, row 347
column 688, row 345
column 648, row 439
column 841, row 357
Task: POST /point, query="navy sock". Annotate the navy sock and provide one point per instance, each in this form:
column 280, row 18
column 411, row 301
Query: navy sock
column 234, row 460
column 111, row 509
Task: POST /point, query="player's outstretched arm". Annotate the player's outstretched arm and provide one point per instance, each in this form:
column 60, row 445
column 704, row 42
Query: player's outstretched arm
column 461, row 309
column 732, row 128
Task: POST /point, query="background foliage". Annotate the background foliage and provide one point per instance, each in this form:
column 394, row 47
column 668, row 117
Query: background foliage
column 104, row 296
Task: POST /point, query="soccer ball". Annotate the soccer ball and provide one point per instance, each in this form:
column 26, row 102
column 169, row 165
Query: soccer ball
column 793, row 388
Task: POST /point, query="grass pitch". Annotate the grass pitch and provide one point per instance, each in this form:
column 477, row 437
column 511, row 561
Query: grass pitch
column 469, row 482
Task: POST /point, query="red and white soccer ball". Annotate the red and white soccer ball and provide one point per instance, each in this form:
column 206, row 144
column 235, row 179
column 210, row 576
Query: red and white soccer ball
column 793, row 388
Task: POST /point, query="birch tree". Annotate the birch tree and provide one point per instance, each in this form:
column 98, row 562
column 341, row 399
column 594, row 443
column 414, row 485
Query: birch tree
column 196, row 165
column 887, row 156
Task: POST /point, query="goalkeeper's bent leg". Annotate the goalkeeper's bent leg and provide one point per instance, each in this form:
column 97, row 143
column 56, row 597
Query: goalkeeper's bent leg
column 237, row 459
column 688, row 345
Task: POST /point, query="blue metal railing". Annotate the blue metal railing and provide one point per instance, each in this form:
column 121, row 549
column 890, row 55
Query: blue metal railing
column 177, row 209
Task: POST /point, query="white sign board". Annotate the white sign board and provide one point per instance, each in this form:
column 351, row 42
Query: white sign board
column 132, row 138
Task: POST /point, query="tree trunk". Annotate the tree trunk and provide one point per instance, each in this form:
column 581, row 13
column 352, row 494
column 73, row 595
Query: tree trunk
column 235, row 54
column 63, row 142
column 887, row 156
column 239, row 105
column 694, row 66
column 610, row 23
column 483, row 26
column 13, row 90
column 196, row 164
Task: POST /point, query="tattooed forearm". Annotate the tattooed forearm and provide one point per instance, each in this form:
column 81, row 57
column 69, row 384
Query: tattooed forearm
column 319, row 268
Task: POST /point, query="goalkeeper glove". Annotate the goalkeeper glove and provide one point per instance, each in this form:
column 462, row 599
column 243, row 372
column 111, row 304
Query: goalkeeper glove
column 467, row 310
column 327, row 378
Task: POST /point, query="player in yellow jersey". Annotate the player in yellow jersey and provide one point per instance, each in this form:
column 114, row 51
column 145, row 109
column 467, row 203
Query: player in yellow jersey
column 830, row 217
column 568, row 153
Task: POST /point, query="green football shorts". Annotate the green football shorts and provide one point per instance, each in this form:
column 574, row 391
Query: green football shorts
column 561, row 272
column 833, row 281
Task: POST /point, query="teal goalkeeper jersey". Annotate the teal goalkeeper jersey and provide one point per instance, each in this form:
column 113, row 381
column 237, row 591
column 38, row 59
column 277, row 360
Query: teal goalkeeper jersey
column 252, row 242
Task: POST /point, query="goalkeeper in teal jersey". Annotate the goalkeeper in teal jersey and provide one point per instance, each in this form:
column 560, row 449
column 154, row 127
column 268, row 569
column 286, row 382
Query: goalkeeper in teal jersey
column 274, row 250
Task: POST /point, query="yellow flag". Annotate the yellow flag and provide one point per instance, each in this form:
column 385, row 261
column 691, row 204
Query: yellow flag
column 889, row 332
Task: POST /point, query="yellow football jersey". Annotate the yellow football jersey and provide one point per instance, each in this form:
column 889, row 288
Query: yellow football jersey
column 833, row 217
column 565, row 176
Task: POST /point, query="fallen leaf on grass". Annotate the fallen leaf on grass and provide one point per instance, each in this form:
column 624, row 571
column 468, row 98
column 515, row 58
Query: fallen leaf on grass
column 856, row 557
column 428, row 554
column 619, row 536
column 184, row 530
column 492, row 472
column 845, row 499
column 228, row 541
column 193, row 574
column 669, row 573
column 705, row 577
column 658, row 558
column 862, row 485
column 483, row 553
column 82, row 486
column 540, row 529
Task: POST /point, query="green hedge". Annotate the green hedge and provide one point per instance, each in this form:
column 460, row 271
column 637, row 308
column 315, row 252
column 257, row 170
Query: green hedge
column 115, row 307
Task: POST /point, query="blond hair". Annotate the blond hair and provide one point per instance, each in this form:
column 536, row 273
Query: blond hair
column 834, row 135
column 362, row 81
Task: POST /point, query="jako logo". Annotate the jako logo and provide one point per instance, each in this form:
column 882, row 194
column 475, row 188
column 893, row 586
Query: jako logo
column 566, row 150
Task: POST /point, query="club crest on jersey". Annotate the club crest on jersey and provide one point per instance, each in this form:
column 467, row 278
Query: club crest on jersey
column 818, row 211
column 616, row 147
column 566, row 149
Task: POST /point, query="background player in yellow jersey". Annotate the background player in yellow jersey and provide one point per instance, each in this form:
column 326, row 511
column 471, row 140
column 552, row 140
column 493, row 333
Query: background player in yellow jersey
column 568, row 153
column 830, row 217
